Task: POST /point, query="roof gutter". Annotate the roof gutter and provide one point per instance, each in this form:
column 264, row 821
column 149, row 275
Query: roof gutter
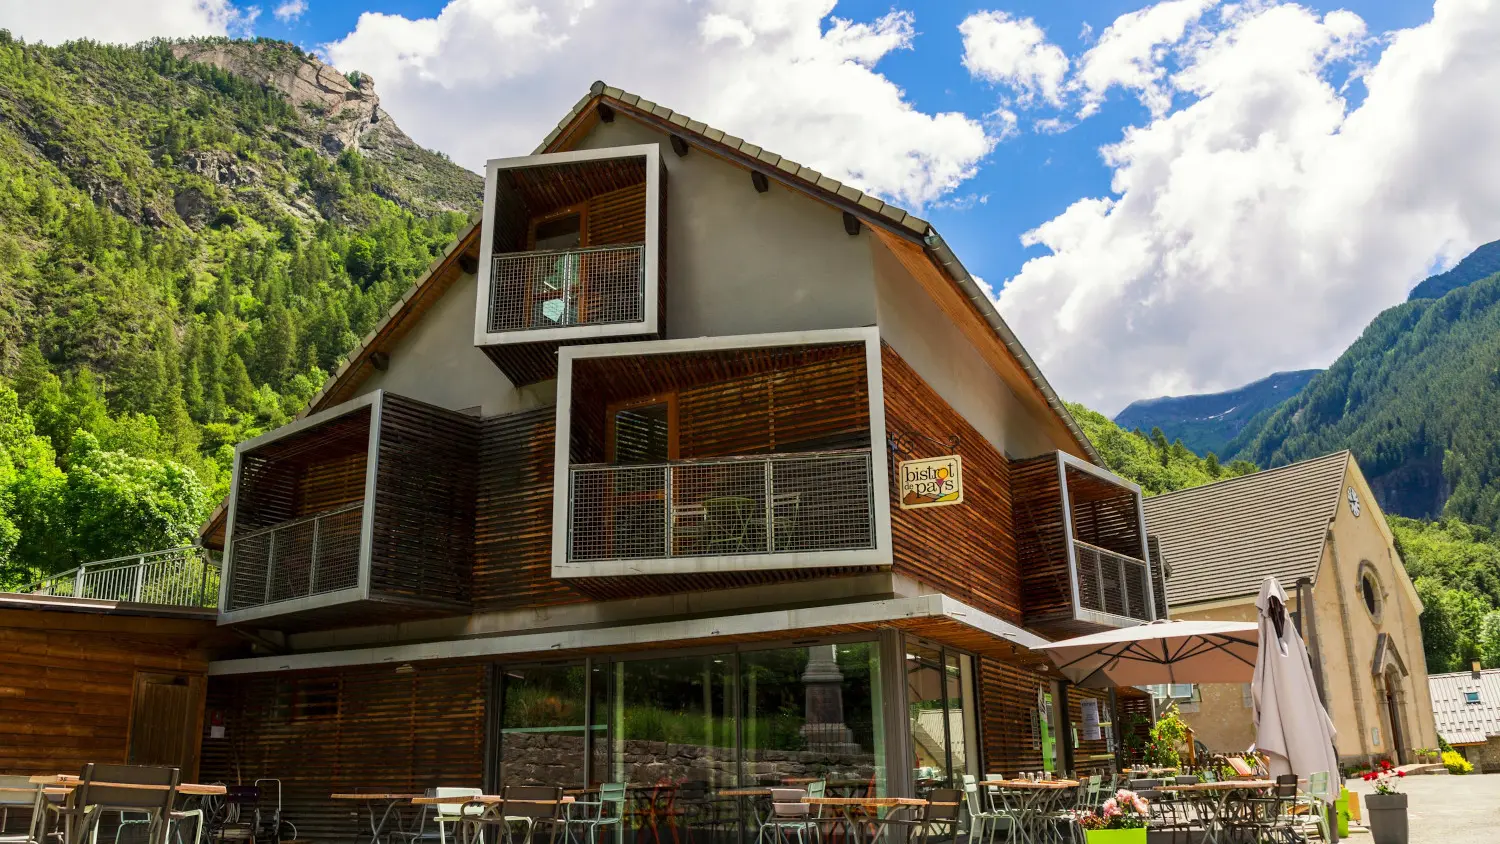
column 940, row 252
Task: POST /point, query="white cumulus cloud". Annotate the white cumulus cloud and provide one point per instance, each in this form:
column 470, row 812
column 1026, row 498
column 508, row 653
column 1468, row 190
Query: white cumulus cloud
column 290, row 10
column 1014, row 52
column 1260, row 224
column 487, row 78
column 121, row 21
column 1131, row 50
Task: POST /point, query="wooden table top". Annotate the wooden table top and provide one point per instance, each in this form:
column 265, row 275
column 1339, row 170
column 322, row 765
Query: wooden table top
column 487, row 799
column 744, row 792
column 67, row 782
column 1222, row 785
column 1031, row 783
column 864, row 801
column 376, row 795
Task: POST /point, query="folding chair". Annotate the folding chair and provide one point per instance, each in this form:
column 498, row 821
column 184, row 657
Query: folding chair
column 100, row 790
column 19, row 792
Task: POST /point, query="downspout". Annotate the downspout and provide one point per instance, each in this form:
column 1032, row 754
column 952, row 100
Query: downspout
column 1354, row 693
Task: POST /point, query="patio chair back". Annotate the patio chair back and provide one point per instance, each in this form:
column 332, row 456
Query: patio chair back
column 1317, row 786
column 1286, row 787
column 611, row 794
column 453, row 811
column 1185, row 779
column 944, row 806
column 1137, row 785
column 817, row 788
column 27, row 795
column 107, row 797
column 535, row 811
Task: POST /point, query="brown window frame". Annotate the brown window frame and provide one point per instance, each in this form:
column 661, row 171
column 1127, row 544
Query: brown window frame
column 613, row 408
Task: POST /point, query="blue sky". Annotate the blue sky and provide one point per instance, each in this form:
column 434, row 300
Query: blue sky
column 1026, row 180
column 1164, row 196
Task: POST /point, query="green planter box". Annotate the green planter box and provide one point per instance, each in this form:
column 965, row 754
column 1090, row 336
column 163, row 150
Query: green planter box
column 1115, row 836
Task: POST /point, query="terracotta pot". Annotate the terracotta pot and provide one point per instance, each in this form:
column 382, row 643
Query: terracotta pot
column 1387, row 818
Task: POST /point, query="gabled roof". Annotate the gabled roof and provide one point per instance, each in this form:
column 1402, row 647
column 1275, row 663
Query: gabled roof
column 1461, row 722
column 890, row 222
column 1223, row 539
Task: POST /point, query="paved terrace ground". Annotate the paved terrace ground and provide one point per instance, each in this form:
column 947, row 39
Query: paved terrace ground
column 1448, row 809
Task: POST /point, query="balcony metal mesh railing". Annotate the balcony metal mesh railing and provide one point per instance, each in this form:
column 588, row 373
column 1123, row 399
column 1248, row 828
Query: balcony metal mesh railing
column 774, row 504
column 1112, row 583
column 178, row 577
column 295, row 559
column 563, row 289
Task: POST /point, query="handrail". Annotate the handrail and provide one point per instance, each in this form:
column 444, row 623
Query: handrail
column 251, row 534
column 1101, row 549
column 153, row 577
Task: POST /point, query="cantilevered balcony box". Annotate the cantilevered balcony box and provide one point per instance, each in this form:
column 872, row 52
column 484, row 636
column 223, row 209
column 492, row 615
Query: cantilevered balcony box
column 363, row 512
column 571, row 251
column 1082, row 545
column 719, row 457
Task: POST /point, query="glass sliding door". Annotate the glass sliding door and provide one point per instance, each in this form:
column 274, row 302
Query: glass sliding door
column 936, row 696
column 813, row 712
column 543, row 726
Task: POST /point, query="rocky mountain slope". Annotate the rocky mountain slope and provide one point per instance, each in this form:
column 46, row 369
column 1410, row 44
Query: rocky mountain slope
column 1208, row 422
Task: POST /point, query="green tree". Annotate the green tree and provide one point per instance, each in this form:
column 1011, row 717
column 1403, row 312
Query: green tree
column 1489, row 639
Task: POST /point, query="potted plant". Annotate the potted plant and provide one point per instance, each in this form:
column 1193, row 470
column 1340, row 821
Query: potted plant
column 1122, row 820
column 1386, row 806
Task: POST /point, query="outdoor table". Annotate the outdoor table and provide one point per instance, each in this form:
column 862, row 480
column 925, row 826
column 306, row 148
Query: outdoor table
column 1038, row 794
column 390, row 800
column 1211, row 799
column 870, row 805
column 67, row 782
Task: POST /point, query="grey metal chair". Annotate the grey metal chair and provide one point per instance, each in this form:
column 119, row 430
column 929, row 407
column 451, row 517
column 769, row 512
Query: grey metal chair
column 607, row 811
column 789, row 815
column 20, row 793
column 103, row 788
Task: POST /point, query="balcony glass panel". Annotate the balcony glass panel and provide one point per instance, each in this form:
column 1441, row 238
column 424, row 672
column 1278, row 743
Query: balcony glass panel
column 770, row 504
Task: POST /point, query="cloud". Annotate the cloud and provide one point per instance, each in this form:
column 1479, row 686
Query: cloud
column 1130, row 52
column 488, row 78
column 1014, row 52
column 290, row 10
column 1260, row 224
column 121, row 21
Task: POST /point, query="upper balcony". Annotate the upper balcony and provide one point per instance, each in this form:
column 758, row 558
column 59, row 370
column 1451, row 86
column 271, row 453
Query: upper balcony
column 717, row 455
column 1082, row 545
column 359, row 510
column 571, row 251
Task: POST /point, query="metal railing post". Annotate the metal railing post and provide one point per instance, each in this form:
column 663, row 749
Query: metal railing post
column 140, row 579
column 667, row 501
column 1124, row 587
column 270, row 564
column 770, row 493
column 79, row 582
column 312, row 566
column 1099, row 580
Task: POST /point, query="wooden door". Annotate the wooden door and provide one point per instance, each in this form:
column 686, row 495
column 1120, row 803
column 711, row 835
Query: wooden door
column 165, row 721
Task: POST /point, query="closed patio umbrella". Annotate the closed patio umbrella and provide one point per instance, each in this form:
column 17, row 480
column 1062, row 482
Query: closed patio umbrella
column 1291, row 726
column 1159, row 652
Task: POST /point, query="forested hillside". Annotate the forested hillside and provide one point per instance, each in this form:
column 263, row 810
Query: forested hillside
column 1149, row 459
column 1208, row 422
column 1416, row 398
column 185, row 254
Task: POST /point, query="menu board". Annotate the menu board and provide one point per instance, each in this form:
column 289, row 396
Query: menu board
column 1091, row 720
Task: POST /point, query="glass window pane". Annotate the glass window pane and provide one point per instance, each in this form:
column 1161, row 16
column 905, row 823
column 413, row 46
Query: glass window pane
column 927, row 694
column 542, row 725
column 813, row 712
column 672, row 720
column 957, row 733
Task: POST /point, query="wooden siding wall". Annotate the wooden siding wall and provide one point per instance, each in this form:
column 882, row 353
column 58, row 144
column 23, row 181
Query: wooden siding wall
column 1007, row 699
column 422, row 545
column 738, row 402
column 1158, row 577
column 1041, row 541
column 1103, row 514
column 1133, row 714
column 968, row 550
column 320, row 733
column 67, row 681
column 309, row 472
column 618, row 216
column 513, row 520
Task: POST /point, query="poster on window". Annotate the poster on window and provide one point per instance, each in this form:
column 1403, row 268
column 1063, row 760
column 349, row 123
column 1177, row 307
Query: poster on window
column 1091, row 720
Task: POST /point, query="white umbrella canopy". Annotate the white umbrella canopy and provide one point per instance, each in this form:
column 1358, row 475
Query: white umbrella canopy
column 1160, row 652
column 1291, row 726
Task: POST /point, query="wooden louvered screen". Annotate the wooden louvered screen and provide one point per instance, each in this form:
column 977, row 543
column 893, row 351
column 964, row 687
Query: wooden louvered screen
column 513, row 521
column 967, row 550
column 1042, row 542
column 618, row 216
column 423, row 541
column 1009, row 726
column 1103, row 514
column 389, row 729
column 736, row 402
column 1158, row 577
column 1133, row 714
column 309, row 472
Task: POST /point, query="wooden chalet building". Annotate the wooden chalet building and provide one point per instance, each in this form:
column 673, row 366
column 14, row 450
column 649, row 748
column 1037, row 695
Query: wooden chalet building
column 615, row 494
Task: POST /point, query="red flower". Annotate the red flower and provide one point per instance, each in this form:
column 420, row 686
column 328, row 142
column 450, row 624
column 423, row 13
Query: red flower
column 1369, row 777
column 1400, row 773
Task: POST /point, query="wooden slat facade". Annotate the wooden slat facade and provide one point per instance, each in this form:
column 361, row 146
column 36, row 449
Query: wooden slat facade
column 1042, row 543
column 72, row 689
column 397, row 729
column 1090, row 756
column 1009, row 729
column 967, row 550
column 422, row 547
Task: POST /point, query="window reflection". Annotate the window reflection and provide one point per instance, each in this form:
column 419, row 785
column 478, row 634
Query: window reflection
column 935, row 695
column 542, row 729
column 672, row 721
